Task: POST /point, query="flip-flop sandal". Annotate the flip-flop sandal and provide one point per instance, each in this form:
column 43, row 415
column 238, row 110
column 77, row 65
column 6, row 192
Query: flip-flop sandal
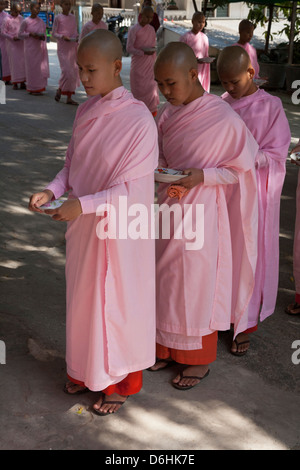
column 159, row 361
column 79, row 392
column 239, row 353
column 294, row 306
column 57, row 96
column 188, row 387
column 116, row 402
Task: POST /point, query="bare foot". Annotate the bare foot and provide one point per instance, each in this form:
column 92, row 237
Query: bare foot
column 161, row 364
column 188, row 378
column 109, row 404
column 72, row 388
column 240, row 345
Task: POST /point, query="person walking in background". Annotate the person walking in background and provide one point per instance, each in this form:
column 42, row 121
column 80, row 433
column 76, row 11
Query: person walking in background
column 33, row 31
column 65, row 32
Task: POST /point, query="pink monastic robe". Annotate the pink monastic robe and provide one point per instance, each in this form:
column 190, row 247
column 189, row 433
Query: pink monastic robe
column 4, row 56
column 110, row 282
column 142, row 83
column 252, row 54
column 200, row 45
column 296, row 249
column 91, row 26
column 65, row 25
column 265, row 118
column 194, row 282
column 15, row 49
column 36, row 54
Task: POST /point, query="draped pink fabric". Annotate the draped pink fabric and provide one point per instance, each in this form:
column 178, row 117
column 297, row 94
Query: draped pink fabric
column 4, row 56
column 265, row 118
column 65, row 25
column 15, row 49
column 296, row 250
column 36, row 54
column 110, row 282
column 142, row 83
column 194, row 282
column 91, row 26
column 200, row 45
column 252, row 54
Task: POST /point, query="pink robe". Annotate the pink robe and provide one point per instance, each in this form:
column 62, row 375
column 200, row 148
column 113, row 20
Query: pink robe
column 110, row 282
column 265, row 118
column 142, row 83
column 4, row 56
column 252, row 54
column 36, row 54
column 15, row 49
column 91, row 26
column 296, row 250
column 65, row 25
column 200, row 45
column 194, row 284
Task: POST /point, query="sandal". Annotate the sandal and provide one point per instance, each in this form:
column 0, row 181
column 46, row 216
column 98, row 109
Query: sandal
column 105, row 413
column 168, row 363
column 289, row 309
column 237, row 352
column 79, row 392
column 58, row 95
column 188, row 387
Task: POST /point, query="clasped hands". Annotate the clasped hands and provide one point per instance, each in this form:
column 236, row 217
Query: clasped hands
column 69, row 210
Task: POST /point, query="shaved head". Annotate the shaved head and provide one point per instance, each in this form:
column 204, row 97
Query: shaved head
column 245, row 25
column 178, row 54
column 233, row 58
column 105, row 42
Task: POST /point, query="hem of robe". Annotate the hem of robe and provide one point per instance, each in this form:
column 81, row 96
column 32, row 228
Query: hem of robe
column 265, row 314
column 168, row 328
column 36, row 91
column 251, row 329
column 14, row 82
column 130, row 385
column 7, row 78
column 113, row 376
column 206, row 355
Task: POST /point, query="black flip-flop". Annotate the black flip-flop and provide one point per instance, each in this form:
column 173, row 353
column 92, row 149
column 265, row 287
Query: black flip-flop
column 239, row 353
column 115, row 402
column 188, row 387
column 79, row 392
column 294, row 306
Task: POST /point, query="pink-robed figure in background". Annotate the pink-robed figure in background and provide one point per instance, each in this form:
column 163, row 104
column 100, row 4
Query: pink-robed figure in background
column 198, row 41
column 265, row 118
column 110, row 269
column 95, row 23
column 4, row 57
column 294, row 308
column 246, row 30
column 33, row 31
column 65, row 31
column 15, row 46
column 141, row 39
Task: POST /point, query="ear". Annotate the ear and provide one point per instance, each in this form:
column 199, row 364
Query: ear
column 194, row 74
column 251, row 72
column 118, row 67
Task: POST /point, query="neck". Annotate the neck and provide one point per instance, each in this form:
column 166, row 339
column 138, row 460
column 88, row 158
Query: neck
column 253, row 88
